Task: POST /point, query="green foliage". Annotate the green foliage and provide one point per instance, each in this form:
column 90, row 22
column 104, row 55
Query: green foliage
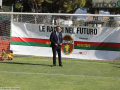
column 5, row 9
column 88, row 7
column 81, row 23
column 17, row 5
column 77, row 24
column 34, row 3
column 55, row 6
column 7, row 2
column 64, row 6
column 111, row 22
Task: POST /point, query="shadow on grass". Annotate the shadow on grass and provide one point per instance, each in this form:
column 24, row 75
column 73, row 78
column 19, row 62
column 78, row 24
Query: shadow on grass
column 24, row 63
column 116, row 66
column 115, row 63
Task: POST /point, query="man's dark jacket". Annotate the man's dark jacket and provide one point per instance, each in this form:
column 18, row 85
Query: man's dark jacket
column 54, row 38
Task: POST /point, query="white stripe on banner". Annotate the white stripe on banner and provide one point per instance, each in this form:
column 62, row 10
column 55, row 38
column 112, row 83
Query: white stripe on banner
column 47, row 51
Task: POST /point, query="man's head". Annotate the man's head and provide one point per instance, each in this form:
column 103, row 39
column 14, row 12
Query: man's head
column 9, row 51
column 3, row 50
column 58, row 29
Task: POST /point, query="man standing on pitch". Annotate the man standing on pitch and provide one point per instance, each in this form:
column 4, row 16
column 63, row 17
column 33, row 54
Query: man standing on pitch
column 56, row 43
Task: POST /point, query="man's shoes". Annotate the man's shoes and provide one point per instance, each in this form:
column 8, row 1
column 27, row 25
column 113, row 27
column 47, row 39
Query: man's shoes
column 61, row 65
column 53, row 65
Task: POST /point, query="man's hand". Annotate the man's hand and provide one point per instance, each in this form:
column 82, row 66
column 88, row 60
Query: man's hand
column 60, row 43
column 56, row 44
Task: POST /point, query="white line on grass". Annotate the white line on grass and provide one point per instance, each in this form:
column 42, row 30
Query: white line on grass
column 57, row 74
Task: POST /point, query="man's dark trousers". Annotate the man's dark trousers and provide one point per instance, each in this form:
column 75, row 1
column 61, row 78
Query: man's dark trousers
column 58, row 49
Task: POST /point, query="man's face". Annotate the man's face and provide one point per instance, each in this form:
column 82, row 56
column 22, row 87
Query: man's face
column 9, row 52
column 58, row 29
column 3, row 51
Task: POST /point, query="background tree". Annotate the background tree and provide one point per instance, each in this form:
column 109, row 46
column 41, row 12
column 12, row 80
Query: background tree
column 112, row 22
column 74, row 19
column 63, row 6
column 51, row 6
column 28, row 5
column 34, row 4
column 90, row 9
column 81, row 22
column 16, row 4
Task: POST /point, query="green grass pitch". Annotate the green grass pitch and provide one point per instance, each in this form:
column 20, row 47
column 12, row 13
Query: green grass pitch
column 37, row 74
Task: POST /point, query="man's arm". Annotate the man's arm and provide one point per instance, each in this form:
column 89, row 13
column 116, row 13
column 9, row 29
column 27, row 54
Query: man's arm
column 51, row 39
column 61, row 39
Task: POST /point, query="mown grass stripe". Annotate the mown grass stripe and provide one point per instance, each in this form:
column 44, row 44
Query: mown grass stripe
column 57, row 74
